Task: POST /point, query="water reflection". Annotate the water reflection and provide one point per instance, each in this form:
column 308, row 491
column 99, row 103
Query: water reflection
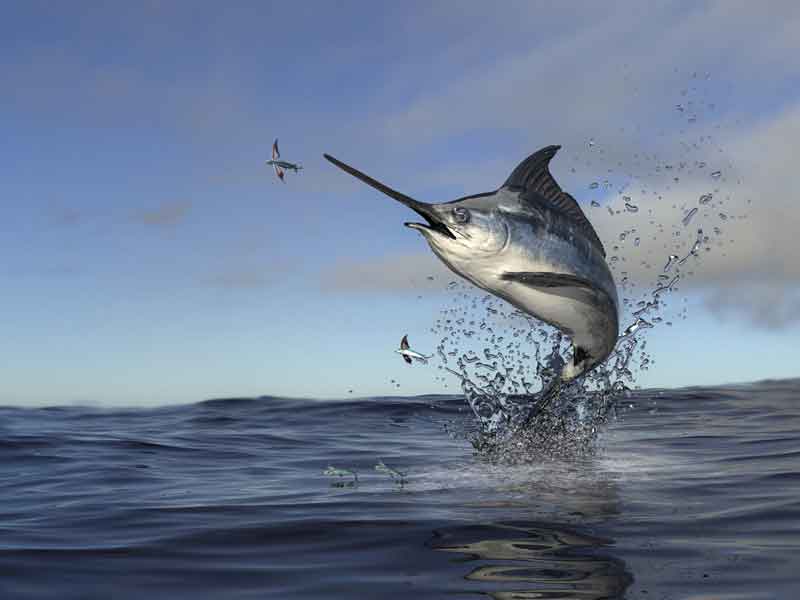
column 525, row 561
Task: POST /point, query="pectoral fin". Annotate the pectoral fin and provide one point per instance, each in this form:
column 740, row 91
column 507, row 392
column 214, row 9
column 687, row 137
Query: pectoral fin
column 558, row 284
column 546, row 280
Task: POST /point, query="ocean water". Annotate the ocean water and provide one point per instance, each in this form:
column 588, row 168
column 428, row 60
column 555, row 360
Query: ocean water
column 691, row 493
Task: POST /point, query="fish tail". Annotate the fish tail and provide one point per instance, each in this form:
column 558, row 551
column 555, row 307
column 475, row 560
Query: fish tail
column 544, row 400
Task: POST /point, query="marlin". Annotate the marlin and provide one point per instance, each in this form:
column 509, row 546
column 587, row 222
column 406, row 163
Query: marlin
column 281, row 165
column 529, row 243
column 407, row 353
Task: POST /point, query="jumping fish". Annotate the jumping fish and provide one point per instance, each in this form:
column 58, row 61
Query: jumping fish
column 529, row 243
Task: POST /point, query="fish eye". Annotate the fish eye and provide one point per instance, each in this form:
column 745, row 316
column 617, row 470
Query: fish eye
column 461, row 215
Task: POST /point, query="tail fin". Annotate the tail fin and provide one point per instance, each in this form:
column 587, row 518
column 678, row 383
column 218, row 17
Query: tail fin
column 581, row 359
column 544, row 398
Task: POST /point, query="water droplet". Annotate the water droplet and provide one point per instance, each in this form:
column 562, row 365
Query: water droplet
column 636, row 326
column 637, row 241
column 590, row 143
column 706, row 198
column 723, row 216
column 594, row 185
column 679, row 107
column 667, row 287
column 698, row 241
column 688, row 217
column 595, row 204
column 670, row 262
column 631, row 207
column 716, row 174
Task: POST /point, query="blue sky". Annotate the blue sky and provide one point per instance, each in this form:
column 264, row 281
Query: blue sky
column 151, row 257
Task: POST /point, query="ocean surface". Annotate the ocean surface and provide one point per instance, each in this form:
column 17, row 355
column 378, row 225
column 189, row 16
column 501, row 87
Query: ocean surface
column 691, row 493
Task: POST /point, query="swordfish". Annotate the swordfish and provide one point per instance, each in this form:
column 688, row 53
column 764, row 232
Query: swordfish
column 529, row 243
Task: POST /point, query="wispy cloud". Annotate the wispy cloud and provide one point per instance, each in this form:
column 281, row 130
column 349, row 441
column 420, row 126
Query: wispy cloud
column 398, row 274
column 764, row 305
column 248, row 274
column 242, row 279
column 167, row 214
column 569, row 85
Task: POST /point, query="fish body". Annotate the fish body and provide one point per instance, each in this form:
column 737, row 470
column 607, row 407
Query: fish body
column 529, row 243
column 408, row 354
column 287, row 166
column 332, row 471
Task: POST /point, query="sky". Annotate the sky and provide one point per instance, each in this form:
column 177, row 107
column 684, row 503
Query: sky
column 150, row 257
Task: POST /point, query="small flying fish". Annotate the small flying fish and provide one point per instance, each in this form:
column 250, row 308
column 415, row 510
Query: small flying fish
column 281, row 166
column 397, row 476
column 408, row 353
column 332, row 471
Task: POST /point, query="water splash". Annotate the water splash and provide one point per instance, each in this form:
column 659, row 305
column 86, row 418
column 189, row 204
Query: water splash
column 505, row 361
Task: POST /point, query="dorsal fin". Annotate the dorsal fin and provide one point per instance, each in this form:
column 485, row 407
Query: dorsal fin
column 533, row 180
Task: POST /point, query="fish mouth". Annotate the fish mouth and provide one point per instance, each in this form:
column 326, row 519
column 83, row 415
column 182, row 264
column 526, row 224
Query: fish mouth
column 432, row 225
column 423, row 209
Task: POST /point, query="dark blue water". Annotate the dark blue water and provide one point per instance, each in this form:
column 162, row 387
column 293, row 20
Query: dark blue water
column 692, row 493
